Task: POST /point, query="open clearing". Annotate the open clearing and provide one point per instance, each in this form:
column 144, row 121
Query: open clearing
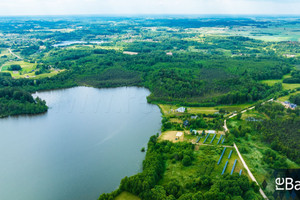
column 169, row 110
column 285, row 98
column 126, row 196
column 171, row 136
column 28, row 70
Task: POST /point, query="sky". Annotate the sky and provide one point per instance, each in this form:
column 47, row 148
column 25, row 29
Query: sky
column 133, row 7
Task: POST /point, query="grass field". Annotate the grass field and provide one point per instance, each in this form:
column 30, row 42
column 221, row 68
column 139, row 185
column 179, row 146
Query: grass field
column 205, row 163
column 171, row 136
column 4, row 52
column 126, row 196
column 169, row 110
column 28, row 70
column 285, row 98
column 286, row 86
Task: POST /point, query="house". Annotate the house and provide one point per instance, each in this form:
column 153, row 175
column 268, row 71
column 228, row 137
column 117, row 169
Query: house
column 186, row 123
column 289, row 105
column 293, row 106
column 181, row 109
column 169, row 54
column 211, row 131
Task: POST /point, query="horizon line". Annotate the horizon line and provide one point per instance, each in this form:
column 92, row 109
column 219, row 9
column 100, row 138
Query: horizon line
column 153, row 14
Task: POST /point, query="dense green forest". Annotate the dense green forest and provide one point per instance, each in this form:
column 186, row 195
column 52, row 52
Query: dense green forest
column 202, row 69
column 190, row 78
column 295, row 99
column 14, row 101
column 279, row 130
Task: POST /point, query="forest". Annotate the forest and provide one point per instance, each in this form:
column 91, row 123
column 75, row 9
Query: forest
column 202, row 69
column 14, row 101
column 279, row 130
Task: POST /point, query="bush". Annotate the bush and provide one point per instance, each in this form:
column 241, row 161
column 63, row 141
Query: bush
column 14, row 68
column 186, row 161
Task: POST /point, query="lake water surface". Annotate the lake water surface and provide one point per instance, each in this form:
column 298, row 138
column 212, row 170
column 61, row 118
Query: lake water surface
column 67, row 43
column 83, row 146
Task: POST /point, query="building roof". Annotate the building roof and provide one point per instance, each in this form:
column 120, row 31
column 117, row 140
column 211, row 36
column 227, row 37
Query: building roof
column 211, row 131
column 179, row 134
column 180, row 109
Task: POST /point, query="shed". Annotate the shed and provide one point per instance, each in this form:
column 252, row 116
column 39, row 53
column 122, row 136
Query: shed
column 211, row 131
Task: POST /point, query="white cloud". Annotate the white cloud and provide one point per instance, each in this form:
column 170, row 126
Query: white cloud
column 48, row 7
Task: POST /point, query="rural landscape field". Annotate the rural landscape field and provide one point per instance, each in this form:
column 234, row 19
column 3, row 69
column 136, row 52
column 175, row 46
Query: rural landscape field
column 227, row 87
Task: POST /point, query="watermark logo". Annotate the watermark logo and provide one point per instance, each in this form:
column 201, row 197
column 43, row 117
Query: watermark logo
column 287, row 184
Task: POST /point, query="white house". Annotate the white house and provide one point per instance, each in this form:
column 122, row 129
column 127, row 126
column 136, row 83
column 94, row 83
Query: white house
column 181, row 109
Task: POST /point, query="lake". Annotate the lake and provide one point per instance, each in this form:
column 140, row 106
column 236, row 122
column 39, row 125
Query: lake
column 83, row 146
column 67, row 43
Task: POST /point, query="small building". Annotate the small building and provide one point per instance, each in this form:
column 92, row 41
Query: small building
column 293, row 106
column 179, row 134
column 169, row 54
column 186, row 123
column 211, row 131
column 180, row 109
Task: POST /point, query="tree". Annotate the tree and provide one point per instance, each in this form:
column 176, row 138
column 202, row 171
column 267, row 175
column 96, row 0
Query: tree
column 198, row 196
column 186, row 161
column 14, row 68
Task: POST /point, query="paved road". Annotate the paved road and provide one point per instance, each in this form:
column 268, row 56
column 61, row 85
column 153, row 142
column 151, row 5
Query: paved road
column 12, row 53
column 240, row 155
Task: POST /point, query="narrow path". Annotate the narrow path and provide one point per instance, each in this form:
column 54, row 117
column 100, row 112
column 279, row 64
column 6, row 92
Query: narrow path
column 12, row 53
column 249, row 172
column 240, row 155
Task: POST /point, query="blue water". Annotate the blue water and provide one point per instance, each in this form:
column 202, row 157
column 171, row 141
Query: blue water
column 83, row 146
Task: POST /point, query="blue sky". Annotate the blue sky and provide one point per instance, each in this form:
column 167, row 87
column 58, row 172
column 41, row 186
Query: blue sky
column 67, row 7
